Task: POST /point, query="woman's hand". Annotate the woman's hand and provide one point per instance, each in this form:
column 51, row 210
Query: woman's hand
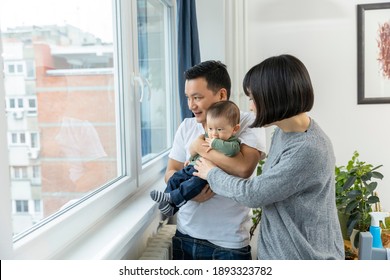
column 203, row 166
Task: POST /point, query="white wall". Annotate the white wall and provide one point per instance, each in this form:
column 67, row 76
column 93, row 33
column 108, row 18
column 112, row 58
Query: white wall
column 211, row 29
column 322, row 33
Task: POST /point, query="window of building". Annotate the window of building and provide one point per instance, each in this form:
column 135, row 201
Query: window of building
column 14, row 68
column 36, row 173
column 37, row 205
column 18, row 138
column 20, row 172
column 30, row 69
column 12, row 103
column 21, row 206
column 34, row 140
column 104, row 101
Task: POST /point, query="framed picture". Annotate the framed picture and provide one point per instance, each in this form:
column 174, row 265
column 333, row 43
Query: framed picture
column 373, row 27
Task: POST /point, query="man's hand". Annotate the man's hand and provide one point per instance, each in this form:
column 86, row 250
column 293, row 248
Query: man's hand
column 208, row 144
column 196, row 145
column 204, row 195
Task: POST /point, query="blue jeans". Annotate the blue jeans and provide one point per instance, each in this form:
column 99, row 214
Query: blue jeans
column 186, row 247
column 183, row 185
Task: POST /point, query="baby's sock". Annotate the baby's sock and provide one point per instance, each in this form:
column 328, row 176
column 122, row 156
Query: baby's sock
column 160, row 196
column 166, row 208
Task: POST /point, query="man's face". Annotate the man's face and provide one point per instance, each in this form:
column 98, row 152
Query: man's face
column 200, row 98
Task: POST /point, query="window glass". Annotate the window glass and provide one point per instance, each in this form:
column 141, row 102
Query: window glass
column 60, row 66
column 21, row 206
column 77, row 121
column 155, row 74
column 12, row 103
column 11, row 68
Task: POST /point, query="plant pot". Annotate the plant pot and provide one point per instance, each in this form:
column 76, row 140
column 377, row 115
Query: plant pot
column 343, row 218
column 354, row 235
column 385, row 235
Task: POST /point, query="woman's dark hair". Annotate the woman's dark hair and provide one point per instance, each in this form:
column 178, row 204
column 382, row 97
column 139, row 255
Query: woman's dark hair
column 215, row 74
column 280, row 87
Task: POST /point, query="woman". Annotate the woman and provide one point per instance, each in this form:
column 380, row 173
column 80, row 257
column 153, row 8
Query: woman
column 296, row 189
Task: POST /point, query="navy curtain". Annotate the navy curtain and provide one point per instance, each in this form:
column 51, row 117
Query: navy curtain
column 188, row 46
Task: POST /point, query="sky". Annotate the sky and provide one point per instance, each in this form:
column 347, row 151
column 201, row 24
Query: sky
column 88, row 15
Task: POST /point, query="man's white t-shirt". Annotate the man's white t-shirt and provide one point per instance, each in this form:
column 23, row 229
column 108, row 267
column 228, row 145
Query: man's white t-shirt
column 219, row 220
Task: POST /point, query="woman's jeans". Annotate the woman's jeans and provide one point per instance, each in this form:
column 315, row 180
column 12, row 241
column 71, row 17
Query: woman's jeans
column 186, row 247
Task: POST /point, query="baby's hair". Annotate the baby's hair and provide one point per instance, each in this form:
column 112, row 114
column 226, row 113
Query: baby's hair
column 226, row 109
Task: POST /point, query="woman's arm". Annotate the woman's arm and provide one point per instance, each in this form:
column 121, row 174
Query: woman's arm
column 242, row 165
column 292, row 174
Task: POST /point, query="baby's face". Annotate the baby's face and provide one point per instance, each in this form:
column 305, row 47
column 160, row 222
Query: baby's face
column 220, row 128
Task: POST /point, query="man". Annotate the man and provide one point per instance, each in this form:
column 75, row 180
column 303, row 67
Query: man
column 211, row 226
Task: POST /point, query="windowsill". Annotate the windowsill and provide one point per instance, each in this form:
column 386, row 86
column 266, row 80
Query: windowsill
column 117, row 234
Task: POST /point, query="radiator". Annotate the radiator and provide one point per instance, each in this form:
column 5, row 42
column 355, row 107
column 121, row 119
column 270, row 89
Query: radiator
column 159, row 247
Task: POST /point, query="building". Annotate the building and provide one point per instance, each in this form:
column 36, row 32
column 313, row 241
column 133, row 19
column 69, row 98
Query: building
column 52, row 160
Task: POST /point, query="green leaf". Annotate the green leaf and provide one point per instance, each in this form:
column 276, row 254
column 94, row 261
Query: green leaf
column 372, row 186
column 354, row 193
column 373, row 199
column 350, row 181
column 367, row 176
column 351, row 225
column 351, row 206
column 377, row 175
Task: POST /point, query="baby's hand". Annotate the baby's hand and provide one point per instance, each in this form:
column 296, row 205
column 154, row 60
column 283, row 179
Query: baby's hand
column 208, row 144
column 187, row 162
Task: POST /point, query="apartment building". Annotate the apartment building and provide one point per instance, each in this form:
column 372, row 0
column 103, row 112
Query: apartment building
column 58, row 150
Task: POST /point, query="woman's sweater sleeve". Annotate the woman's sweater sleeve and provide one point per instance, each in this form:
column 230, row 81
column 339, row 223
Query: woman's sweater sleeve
column 292, row 174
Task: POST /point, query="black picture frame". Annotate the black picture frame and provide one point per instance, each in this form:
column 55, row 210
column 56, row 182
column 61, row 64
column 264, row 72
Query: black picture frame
column 373, row 50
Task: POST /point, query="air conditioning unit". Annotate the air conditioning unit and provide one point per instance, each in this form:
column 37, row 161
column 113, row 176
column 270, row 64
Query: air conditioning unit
column 33, row 153
column 18, row 115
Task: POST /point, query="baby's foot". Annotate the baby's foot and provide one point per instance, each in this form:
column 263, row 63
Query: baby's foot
column 166, row 208
column 160, row 196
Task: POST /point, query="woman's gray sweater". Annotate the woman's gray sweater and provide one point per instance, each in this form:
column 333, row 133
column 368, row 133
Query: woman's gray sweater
column 296, row 192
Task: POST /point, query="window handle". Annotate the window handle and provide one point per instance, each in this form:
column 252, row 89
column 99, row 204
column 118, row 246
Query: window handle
column 140, row 81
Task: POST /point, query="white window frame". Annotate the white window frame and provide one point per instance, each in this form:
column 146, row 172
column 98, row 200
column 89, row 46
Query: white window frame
column 16, row 65
column 68, row 224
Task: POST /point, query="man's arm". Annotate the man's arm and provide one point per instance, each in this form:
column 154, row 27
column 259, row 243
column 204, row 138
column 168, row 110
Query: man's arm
column 172, row 167
column 242, row 165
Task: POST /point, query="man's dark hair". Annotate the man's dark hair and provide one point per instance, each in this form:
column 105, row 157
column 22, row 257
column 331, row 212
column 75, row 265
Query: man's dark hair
column 215, row 74
column 280, row 87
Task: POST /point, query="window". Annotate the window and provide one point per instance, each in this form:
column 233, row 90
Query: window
column 153, row 76
column 104, row 102
column 18, row 138
column 21, row 206
column 37, row 206
column 20, row 172
column 12, row 103
column 30, row 69
column 34, row 140
column 14, row 68
column 36, row 171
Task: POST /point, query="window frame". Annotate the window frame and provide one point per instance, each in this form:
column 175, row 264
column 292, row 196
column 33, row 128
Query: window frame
column 42, row 240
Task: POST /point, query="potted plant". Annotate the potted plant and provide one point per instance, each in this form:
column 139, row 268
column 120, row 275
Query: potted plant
column 355, row 186
column 256, row 212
